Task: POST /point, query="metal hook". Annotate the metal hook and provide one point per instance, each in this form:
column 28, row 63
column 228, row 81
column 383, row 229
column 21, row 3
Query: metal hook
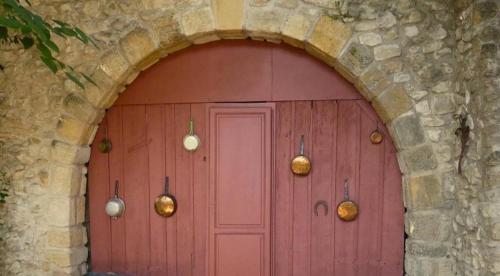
column 322, row 203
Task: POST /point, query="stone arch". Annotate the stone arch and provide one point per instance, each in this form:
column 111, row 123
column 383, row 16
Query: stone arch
column 329, row 39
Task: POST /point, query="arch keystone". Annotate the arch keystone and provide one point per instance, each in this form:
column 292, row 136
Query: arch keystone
column 229, row 18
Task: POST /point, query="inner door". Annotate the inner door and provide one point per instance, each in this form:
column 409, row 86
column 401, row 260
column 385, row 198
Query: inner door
column 240, row 189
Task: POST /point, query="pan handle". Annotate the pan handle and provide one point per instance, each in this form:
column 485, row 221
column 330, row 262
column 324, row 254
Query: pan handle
column 166, row 184
column 301, row 145
column 346, row 190
column 117, row 185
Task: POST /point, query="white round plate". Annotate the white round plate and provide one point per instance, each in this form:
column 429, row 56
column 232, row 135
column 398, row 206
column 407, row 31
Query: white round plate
column 191, row 142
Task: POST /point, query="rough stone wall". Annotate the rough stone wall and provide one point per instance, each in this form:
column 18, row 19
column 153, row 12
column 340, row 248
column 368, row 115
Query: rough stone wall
column 476, row 225
column 417, row 61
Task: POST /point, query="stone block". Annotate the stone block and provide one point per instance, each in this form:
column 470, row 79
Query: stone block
column 80, row 209
column 62, row 211
column 69, row 154
column 289, row 4
column 295, row 29
column 372, row 82
column 423, row 266
column 67, row 257
column 74, row 131
column 387, row 51
column 139, row 48
column 427, row 249
column 443, row 104
column 229, row 18
column 65, row 237
column 408, row 131
column 490, row 210
column 65, row 180
column 428, row 226
column 370, row 39
column 323, row 3
column 264, row 24
column 167, row 28
column 484, row 10
column 356, row 58
column 105, row 93
column 115, row 65
column 424, row 192
column 199, row 26
column 328, row 38
column 418, row 159
column 495, row 231
column 79, row 107
column 392, row 103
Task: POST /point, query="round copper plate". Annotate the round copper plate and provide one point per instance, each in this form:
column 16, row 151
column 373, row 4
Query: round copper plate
column 376, row 137
column 347, row 210
column 301, row 165
column 105, row 145
column 165, row 206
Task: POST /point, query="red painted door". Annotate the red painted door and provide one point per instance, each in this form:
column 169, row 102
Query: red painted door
column 241, row 210
column 240, row 190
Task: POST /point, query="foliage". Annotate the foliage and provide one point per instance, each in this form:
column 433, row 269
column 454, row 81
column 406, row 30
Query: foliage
column 4, row 186
column 19, row 25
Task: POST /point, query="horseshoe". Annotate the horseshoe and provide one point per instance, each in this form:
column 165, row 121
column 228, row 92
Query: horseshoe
column 322, row 203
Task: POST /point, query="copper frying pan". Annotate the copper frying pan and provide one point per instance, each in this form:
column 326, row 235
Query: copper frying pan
column 165, row 204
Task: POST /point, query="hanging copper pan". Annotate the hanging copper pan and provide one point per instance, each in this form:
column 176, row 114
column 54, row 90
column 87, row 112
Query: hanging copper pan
column 301, row 165
column 347, row 210
column 166, row 204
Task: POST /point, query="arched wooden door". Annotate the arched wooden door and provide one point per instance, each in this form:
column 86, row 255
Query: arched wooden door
column 241, row 209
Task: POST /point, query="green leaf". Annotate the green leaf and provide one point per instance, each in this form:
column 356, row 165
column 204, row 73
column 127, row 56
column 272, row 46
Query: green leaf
column 72, row 77
column 89, row 79
column 10, row 22
column 50, row 63
column 85, row 38
column 3, row 32
column 27, row 42
column 66, row 31
column 43, row 49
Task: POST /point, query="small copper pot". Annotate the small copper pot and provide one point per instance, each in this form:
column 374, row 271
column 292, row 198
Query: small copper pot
column 165, row 204
column 301, row 165
column 347, row 210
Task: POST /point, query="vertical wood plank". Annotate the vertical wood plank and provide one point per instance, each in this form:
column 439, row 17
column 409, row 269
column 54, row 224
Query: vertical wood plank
column 184, row 192
column 170, row 164
column 284, row 190
column 115, row 129
column 371, row 187
column 347, row 168
column 200, row 185
column 135, row 165
column 100, row 228
column 321, row 178
column 156, row 159
column 301, row 193
column 392, row 233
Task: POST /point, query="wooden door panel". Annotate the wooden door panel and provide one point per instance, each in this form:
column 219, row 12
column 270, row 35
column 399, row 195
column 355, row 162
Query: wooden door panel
column 240, row 190
column 228, row 216
column 247, row 260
